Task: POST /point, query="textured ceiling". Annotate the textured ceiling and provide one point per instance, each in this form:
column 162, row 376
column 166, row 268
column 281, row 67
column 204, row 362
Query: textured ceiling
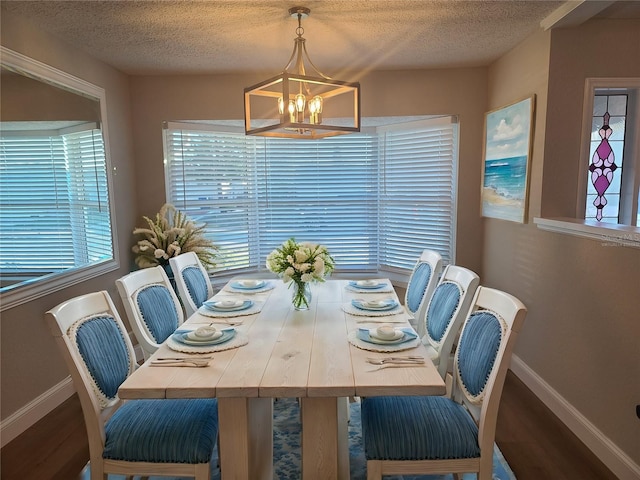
column 173, row 37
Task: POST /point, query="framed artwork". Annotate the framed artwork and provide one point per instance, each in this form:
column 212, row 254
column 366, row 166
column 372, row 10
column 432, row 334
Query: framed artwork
column 507, row 155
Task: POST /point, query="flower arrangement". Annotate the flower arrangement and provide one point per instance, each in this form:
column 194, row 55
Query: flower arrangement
column 301, row 264
column 170, row 234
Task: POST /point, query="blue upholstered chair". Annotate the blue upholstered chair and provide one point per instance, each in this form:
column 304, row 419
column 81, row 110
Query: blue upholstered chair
column 151, row 305
column 456, row 434
column 143, row 437
column 447, row 309
column 192, row 280
column 422, row 282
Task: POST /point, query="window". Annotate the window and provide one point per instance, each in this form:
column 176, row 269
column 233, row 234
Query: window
column 611, row 152
column 376, row 199
column 53, row 192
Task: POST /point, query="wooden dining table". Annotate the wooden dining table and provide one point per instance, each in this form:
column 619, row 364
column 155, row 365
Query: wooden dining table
column 289, row 354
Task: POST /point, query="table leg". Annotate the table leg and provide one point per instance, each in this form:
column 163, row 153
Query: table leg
column 246, row 438
column 325, row 438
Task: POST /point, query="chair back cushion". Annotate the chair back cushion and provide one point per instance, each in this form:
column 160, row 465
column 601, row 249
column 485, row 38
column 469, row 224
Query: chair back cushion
column 443, row 305
column 158, row 311
column 417, row 286
column 196, row 285
column 104, row 352
column 477, row 350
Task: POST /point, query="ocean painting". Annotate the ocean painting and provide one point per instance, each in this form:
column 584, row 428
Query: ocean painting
column 506, row 161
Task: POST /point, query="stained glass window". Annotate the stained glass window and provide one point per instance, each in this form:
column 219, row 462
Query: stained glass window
column 606, row 156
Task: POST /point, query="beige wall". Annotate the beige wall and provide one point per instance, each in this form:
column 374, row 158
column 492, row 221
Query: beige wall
column 30, row 361
column 581, row 333
column 454, row 91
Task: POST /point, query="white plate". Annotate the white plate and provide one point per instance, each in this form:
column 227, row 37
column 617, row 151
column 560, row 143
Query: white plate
column 367, row 283
column 242, row 305
column 375, row 305
column 398, row 334
column 204, row 334
column 364, row 335
column 227, row 334
column 225, row 304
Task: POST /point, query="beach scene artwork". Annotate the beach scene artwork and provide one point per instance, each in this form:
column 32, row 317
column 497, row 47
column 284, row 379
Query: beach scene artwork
column 506, row 161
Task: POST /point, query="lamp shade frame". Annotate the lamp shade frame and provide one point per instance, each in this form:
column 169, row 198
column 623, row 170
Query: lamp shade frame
column 279, row 87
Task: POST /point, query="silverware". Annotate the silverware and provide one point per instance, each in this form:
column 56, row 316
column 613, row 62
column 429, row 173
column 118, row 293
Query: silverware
column 383, row 321
column 396, row 360
column 397, row 365
column 209, row 357
column 180, row 362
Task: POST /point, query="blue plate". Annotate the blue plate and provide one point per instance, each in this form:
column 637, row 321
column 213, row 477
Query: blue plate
column 409, row 334
column 390, row 305
column 242, row 286
column 211, row 305
column 367, row 287
column 181, row 337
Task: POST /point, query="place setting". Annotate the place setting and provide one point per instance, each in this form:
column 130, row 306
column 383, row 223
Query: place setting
column 249, row 286
column 373, row 307
column 385, row 338
column 205, row 339
column 369, row 286
column 228, row 307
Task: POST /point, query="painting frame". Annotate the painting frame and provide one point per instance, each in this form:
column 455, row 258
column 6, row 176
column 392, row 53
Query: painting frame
column 506, row 160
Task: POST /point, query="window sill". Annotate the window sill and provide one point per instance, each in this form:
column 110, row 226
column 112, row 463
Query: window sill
column 610, row 235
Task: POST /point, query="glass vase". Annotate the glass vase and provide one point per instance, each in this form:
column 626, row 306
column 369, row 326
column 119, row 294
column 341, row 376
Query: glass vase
column 301, row 298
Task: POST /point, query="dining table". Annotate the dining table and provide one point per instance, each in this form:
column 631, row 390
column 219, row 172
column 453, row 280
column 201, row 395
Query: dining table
column 322, row 356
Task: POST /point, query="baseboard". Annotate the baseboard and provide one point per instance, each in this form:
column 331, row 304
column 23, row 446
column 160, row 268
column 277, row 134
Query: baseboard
column 27, row 416
column 608, row 452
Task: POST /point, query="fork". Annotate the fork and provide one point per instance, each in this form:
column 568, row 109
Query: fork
column 397, row 361
column 180, row 362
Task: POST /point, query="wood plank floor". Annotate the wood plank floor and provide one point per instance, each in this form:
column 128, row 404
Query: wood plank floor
column 535, row 443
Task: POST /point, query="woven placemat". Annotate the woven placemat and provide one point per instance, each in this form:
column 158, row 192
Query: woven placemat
column 375, row 347
column 238, row 340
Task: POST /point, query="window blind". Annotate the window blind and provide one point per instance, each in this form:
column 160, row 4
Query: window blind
column 54, row 211
column 375, row 200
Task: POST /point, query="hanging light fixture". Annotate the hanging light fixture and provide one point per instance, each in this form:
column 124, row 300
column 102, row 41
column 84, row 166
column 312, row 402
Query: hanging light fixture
column 297, row 105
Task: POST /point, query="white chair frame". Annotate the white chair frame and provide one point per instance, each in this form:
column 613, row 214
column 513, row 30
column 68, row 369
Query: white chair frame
column 179, row 263
column 128, row 286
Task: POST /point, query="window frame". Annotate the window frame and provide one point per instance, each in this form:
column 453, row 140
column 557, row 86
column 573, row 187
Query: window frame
column 26, row 291
column 398, row 274
column 609, row 234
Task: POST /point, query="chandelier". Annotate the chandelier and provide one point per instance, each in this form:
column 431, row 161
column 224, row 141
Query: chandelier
column 297, row 105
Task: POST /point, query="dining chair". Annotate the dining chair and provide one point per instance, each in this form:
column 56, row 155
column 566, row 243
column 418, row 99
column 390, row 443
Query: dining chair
column 192, row 281
column 456, row 433
column 447, row 309
column 422, row 283
column 144, row 437
column 151, row 305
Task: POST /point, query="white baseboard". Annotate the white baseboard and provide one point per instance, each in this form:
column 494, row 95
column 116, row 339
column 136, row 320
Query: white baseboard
column 615, row 459
column 35, row 410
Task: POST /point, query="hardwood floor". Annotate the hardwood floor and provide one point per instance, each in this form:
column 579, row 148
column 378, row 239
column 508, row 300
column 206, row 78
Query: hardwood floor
column 535, row 443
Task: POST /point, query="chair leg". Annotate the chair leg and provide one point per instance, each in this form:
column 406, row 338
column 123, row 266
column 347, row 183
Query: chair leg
column 374, row 470
column 203, row 471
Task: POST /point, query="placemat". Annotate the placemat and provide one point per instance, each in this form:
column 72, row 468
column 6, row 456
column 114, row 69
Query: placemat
column 255, row 308
column 374, row 347
column 350, row 309
column 239, row 340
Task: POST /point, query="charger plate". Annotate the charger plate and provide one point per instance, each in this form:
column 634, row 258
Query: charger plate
column 255, row 308
column 387, row 288
column 238, row 340
column 348, row 308
column 269, row 285
column 375, row 347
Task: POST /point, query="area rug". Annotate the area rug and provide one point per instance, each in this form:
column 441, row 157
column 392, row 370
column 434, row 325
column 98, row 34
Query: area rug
column 286, row 450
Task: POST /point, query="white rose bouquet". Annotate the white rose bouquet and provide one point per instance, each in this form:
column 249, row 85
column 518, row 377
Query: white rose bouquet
column 300, row 263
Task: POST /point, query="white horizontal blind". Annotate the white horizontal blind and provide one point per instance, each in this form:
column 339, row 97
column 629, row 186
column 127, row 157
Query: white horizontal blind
column 417, row 201
column 54, row 211
column 375, row 200
column 211, row 177
column 323, row 191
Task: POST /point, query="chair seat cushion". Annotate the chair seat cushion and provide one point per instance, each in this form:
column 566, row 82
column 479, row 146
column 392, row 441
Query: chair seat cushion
column 163, row 431
column 417, row 428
